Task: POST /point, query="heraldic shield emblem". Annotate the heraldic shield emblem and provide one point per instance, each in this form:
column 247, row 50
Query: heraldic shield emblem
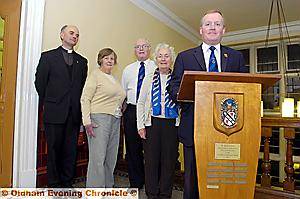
column 228, row 112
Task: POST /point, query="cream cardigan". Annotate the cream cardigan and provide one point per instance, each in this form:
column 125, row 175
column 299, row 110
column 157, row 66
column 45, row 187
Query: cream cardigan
column 100, row 95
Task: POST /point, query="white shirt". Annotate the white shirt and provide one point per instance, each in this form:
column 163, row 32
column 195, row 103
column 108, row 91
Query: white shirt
column 130, row 78
column 207, row 52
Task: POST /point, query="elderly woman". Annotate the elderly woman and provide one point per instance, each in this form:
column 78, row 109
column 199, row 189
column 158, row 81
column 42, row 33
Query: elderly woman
column 157, row 118
column 101, row 103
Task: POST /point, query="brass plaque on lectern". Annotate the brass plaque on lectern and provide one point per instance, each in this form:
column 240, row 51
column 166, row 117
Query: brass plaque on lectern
column 225, row 151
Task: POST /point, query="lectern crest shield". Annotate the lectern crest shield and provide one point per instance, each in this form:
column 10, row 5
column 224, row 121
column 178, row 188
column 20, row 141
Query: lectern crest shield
column 228, row 112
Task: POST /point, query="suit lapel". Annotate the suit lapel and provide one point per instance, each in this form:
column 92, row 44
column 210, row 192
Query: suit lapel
column 224, row 56
column 75, row 65
column 198, row 53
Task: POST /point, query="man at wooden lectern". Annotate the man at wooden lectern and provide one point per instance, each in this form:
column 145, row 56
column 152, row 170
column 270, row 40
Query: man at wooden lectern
column 210, row 56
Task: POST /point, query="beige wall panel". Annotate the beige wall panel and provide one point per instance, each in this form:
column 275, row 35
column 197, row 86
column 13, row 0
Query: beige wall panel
column 115, row 23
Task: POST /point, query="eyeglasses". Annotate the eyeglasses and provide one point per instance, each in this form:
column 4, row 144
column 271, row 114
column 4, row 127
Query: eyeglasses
column 144, row 46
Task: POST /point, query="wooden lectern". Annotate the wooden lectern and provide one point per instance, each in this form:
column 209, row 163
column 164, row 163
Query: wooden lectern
column 227, row 130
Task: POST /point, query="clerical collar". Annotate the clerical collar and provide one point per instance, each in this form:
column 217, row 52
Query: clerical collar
column 67, row 50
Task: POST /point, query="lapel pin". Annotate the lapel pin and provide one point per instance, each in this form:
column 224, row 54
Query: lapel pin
column 77, row 61
column 225, row 55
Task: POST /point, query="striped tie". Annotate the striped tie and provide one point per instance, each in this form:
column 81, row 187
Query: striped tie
column 213, row 65
column 140, row 79
column 171, row 109
column 156, row 93
column 169, row 103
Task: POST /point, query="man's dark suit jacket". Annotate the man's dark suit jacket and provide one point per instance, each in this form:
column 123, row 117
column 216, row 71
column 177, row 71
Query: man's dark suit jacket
column 193, row 60
column 57, row 91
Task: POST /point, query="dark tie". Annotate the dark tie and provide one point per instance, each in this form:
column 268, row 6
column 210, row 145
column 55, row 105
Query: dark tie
column 213, row 65
column 140, row 79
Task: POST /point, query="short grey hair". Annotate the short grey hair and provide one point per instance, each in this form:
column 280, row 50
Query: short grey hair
column 211, row 12
column 146, row 41
column 164, row 46
column 63, row 28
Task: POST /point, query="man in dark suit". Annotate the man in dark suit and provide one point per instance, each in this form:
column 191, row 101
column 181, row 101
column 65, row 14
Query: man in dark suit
column 217, row 58
column 60, row 78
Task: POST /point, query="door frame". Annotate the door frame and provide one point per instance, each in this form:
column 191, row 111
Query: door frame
column 10, row 11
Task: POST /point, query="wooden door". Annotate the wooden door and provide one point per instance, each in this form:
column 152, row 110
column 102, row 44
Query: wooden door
column 9, row 35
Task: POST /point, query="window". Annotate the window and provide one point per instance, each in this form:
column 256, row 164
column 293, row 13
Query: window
column 270, row 97
column 293, row 52
column 267, row 59
column 293, row 68
column 293, row 86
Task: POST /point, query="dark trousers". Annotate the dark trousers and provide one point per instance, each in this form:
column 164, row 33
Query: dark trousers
column 190, row 174
column 62, row 151
column 161, row 148
column 134, row 149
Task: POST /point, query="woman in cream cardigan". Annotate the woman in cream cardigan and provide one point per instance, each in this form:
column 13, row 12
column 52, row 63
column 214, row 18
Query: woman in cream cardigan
column 157, row 118
column 101, row 102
